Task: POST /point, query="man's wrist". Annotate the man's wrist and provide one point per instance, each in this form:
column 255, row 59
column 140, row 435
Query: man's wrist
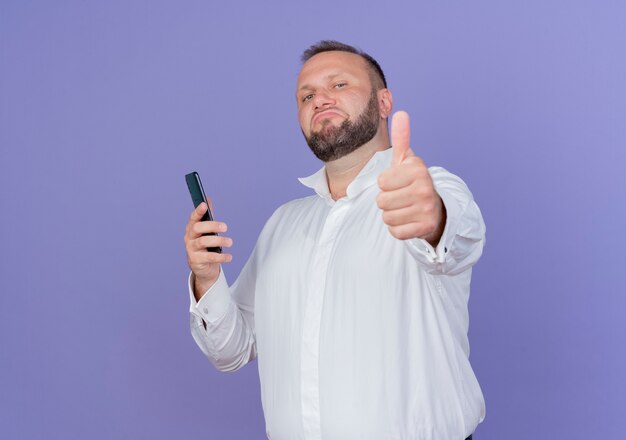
column 434, row 237
column 202, row 285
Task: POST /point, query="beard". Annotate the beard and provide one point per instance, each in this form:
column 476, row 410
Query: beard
column 332, row 143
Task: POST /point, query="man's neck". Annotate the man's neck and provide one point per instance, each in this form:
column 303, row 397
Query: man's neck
column 341, row 172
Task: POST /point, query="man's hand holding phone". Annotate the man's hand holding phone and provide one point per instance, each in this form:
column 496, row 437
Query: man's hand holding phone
column 204, row 264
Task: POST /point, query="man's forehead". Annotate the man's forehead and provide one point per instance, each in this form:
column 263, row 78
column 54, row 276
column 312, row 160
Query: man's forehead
column 325, row 78
column 326, row 65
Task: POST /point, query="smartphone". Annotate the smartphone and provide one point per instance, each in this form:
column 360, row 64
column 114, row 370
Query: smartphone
column 197, row 195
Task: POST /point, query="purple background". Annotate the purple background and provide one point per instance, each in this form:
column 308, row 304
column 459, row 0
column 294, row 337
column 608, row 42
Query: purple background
column 104, row 106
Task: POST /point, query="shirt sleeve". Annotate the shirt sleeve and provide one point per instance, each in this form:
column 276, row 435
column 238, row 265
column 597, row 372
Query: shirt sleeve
column 228, row 312
column 463, row 238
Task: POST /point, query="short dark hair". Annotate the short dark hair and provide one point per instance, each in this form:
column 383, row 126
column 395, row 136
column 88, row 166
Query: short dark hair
column 376, row 73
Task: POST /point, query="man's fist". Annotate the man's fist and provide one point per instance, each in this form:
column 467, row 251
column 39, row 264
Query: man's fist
column 205, row 265
column 411, row 206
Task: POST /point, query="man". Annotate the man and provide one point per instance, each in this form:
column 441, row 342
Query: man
column 355, row 298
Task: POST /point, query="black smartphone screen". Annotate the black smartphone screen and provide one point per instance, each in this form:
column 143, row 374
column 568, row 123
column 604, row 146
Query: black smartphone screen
column 198, row 196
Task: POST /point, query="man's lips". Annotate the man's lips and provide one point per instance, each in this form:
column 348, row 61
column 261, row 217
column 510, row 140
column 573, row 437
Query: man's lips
column 325, row 115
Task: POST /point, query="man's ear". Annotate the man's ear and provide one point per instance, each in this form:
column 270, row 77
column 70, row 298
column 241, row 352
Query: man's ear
column 385, row 103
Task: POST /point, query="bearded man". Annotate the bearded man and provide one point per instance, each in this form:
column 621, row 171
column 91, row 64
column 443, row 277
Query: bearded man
column 354, row 299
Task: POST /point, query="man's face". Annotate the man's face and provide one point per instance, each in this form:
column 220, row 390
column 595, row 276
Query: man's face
column 337, row 105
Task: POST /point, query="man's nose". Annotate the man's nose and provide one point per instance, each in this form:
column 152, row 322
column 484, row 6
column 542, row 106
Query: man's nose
column 322, row 100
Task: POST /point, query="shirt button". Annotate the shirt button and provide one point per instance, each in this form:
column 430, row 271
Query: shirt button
column 445, row 249
column 205, row 310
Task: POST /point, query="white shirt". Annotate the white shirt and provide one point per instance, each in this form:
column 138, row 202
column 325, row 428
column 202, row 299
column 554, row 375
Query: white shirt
column 359, row 335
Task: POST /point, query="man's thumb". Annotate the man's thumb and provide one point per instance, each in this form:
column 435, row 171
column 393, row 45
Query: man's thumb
column 400, row 137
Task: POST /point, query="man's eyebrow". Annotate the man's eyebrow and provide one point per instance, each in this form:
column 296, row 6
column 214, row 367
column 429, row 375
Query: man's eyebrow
column 327, row 78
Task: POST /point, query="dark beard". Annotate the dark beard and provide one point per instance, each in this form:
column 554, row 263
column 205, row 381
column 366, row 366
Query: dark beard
column 332, row 143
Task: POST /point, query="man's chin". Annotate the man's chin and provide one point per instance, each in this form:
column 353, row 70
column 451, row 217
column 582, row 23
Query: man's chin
column 329, row 133
column 325, row 131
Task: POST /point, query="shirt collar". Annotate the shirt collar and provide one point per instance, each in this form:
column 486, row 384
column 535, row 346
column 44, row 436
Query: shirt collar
column 366, row 178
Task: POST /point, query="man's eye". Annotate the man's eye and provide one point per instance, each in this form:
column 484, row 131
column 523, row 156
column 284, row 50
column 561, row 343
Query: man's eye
column 307, row 98
column 340, row 85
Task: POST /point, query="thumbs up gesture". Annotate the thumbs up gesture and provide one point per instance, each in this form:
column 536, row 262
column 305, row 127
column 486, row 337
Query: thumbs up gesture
column 411, row 206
